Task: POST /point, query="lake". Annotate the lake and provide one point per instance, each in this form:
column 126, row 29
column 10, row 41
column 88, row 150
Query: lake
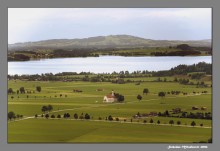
column 102, row 64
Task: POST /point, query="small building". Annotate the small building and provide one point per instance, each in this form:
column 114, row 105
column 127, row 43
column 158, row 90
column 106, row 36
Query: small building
column 109, row 98
column 203, row 108
column 195, row 108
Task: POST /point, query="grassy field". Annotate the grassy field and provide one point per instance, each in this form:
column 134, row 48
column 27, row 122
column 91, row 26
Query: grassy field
column 90, row 101
column 41, row 130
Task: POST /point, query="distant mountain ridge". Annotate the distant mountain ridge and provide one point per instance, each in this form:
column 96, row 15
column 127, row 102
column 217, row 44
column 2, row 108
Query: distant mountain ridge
column 100, row 42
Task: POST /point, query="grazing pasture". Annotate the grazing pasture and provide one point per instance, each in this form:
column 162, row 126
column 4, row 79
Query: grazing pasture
column 128, row 129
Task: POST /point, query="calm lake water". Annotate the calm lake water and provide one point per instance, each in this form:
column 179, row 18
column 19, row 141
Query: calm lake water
column 101, row 64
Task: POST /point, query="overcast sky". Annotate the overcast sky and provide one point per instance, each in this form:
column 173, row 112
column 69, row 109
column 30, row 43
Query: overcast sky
column 34, row 24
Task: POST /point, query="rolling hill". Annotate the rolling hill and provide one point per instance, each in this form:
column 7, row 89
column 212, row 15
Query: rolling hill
column 103, row 42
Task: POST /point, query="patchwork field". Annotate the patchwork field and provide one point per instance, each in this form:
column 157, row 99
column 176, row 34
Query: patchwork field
column 98, row 130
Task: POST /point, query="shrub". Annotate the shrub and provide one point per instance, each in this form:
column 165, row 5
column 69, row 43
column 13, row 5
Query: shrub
column 47, row 116
column 75, row 116
column 110, row 118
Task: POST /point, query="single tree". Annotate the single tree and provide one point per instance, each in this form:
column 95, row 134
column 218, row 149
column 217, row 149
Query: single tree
column 36, row 115
column 47, row 116
column 171, row 122
column 151, row 121
column 161, row 94
column 166, row 113
column 11, row 115
column 193, row 123
column 44, row 108
column 81, row 117
column 139, row 97
column 145, row 121
column 22, row 90
column 75, row 116
column 158, row 122
column 87, row 116
column 38, row 88
column 49, row 107
column 67, row 115
column 178, row 122
column 110, row 118
column 120, row 98
column 117, row 119
column 201, row 125
column 18, row 116
column 58, row 116
column 10, row 91
column 145, row 91
column 52, row 116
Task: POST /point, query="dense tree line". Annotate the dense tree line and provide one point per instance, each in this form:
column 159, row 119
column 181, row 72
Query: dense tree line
column 183, row 50
column 185, row 69
column 201, row 68
column 197, row 115
column 12, row 115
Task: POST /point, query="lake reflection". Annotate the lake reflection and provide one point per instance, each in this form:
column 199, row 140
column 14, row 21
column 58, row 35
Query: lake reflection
column 101, row 64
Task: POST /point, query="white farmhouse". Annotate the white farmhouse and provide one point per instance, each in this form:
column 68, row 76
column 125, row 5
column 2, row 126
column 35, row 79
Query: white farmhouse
column 109, row 98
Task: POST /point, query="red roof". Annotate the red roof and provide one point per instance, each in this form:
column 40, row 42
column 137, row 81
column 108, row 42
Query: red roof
column 110, row 96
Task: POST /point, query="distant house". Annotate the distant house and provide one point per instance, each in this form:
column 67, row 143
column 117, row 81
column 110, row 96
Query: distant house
column 195, row 108
column 203, row 108
column 109, row 98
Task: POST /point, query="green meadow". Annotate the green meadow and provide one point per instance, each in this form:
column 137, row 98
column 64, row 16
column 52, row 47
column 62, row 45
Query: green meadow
column 97, row 130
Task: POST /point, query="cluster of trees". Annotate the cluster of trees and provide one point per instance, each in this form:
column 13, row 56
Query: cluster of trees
column 120, row 97
column 56, row 53
column 18, row 57
column 174, row 92
column 171, row 122
column 183, row 50
column 185, row 69
column 197, row 75
column 73, row 53
column 47, row 108
column 197, row 115
column 177, row 53
column 12, row 115
column 67, row 115
column 145, row 91
column 23, row 91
